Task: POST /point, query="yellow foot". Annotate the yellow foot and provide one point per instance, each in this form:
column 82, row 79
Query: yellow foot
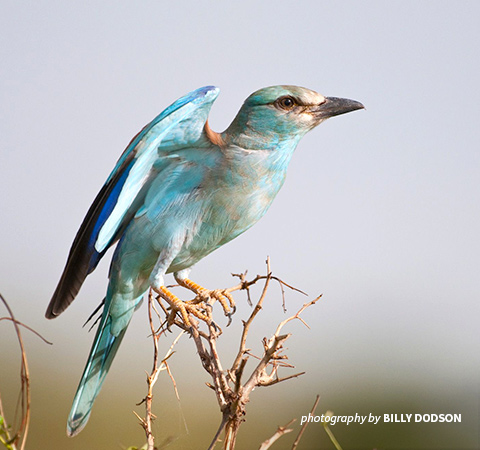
column 183, row 307
column 222, row 295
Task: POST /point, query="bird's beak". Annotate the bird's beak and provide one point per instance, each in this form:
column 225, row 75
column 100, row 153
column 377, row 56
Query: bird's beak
column 334, row 106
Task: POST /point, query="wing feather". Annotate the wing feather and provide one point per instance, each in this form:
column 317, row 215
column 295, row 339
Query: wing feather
column 179, row 125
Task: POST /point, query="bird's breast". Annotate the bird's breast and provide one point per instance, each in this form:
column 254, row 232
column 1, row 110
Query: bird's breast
column 243, row 190
column 234, row 197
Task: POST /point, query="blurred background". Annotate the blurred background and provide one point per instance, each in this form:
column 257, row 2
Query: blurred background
column 379, row 212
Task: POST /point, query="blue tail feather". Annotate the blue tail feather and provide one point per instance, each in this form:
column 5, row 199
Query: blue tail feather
column 99, row 361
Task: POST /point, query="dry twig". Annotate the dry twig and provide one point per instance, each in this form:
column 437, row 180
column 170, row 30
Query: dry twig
column 20, row 435
column 278, row 434
column 147, row 421
column 232, row 392
column 304, row 426
column 22, row 432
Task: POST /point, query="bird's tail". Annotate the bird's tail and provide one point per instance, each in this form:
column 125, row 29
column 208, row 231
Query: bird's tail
column 104, row 348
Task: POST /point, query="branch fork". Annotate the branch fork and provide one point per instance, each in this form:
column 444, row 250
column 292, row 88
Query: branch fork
column 232, row 394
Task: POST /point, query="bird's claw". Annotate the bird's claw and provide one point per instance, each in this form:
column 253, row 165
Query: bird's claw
column 207, row 297
column 222, row 295
column 230, row 314
column 184, row 308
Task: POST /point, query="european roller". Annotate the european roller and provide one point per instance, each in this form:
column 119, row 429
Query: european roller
column 178, row 192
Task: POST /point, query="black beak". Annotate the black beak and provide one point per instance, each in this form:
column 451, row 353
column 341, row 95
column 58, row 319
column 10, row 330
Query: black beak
column 334, row 106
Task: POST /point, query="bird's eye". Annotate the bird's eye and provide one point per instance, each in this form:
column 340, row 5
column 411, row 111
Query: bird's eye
column 286, row 102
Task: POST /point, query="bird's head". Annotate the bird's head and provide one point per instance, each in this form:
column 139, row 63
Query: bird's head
column 278, row 114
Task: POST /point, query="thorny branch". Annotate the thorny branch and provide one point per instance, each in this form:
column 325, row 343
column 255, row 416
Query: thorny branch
column 232, row 392
column 147, row 421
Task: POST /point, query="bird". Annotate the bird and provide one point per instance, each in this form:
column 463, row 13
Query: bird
column 178, row 192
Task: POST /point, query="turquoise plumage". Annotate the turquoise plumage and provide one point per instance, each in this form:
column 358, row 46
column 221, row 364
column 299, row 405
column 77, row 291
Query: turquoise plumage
column 177, row 193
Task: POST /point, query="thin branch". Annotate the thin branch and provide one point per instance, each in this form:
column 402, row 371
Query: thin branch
column 36, row 333
column 297, row 315
column 151, row 380
column 254, row 379
column 246, row 325
column 146, row 422
column 22, row 432
column 173, row 380
column 279, row 380
column 278, row 434
column 246, row 284
column 304, row 426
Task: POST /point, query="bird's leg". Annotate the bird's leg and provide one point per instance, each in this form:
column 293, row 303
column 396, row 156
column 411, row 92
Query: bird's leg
column 222, row 295
column 156, row 281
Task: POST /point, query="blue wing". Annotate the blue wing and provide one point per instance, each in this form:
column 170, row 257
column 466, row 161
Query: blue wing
column 179, row 125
